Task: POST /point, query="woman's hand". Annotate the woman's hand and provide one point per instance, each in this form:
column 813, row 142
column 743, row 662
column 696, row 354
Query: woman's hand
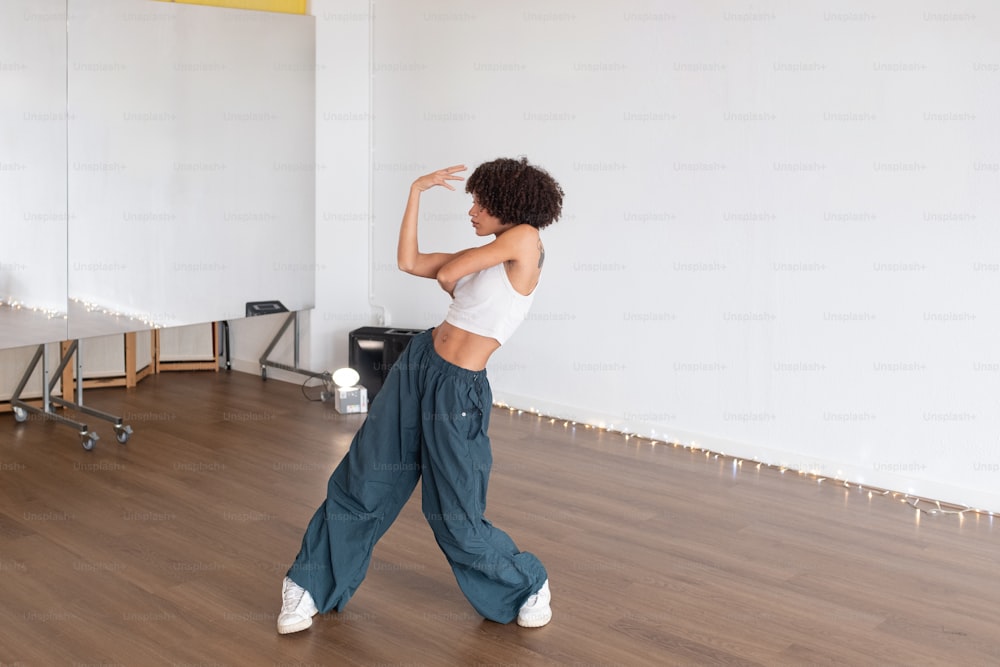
column 439, row 177
column 408, row 255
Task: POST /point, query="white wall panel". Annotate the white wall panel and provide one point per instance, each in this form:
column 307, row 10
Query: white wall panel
column 102, row 357
column 190, row 343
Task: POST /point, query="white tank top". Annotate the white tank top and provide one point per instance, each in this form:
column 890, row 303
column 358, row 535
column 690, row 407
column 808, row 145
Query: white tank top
column 487, row 304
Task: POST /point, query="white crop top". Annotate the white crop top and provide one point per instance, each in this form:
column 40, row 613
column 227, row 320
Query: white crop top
column 487, row 304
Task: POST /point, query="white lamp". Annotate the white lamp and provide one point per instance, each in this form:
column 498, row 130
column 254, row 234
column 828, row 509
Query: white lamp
column 345, row 377
column 348, row 397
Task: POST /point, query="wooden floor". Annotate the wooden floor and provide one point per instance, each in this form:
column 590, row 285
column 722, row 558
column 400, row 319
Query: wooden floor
column 170, row 550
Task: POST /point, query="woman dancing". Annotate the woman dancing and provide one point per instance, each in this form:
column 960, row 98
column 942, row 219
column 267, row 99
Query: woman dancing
column 431, row 416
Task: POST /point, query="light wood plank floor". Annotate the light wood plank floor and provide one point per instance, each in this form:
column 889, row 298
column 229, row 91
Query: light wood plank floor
column 170, row 550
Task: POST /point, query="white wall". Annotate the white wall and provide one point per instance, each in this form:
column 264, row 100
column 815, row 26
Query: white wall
column 780, row 237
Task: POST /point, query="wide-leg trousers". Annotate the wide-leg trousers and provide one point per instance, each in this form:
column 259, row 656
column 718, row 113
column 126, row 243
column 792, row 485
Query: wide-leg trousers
column 429, row 420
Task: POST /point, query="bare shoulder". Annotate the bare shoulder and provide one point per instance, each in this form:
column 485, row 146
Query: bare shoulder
column 523, row 231
column 523, row 236
column 528, row 248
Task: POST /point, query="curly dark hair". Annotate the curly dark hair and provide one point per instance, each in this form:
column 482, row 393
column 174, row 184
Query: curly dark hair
column 516, row 192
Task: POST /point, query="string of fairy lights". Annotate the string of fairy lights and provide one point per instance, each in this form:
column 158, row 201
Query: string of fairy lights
column 145, row 320
column 48, row 313
column 51, row 314
column 926, row 506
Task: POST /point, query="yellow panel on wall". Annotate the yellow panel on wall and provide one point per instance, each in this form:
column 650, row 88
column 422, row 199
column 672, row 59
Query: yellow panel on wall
column 285, row 6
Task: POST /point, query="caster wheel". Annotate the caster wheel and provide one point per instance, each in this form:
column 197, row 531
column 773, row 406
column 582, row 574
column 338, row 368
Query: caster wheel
column 20, row 415
column 123, row 433
column 89, row 439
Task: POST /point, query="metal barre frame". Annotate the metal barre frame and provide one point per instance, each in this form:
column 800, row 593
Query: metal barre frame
column 21, row 408
column 293, row 318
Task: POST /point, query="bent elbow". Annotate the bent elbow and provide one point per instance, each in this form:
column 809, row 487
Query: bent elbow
column 405, row 266
column 443, row 275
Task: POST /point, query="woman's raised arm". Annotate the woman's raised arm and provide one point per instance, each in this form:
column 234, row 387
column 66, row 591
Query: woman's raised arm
column 408, row 255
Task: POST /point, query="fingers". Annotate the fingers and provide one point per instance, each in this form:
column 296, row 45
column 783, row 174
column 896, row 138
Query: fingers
column 440, row 177
column 449, row 174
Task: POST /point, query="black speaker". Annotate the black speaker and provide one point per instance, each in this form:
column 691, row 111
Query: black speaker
column 373, row 350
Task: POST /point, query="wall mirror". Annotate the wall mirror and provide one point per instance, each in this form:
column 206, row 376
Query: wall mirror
column 33, row 161
column 158, row 165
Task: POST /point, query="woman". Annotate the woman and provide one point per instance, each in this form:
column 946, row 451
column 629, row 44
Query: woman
column 431, row 416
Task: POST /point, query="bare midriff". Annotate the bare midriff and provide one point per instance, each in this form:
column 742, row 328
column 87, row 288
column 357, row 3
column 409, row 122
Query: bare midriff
column 463, row 348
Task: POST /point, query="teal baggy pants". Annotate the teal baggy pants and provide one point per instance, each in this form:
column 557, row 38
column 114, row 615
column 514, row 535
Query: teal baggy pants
column 429, row 420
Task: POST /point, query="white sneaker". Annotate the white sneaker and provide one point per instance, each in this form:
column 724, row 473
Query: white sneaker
column 536, row 611
column 297, row 608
